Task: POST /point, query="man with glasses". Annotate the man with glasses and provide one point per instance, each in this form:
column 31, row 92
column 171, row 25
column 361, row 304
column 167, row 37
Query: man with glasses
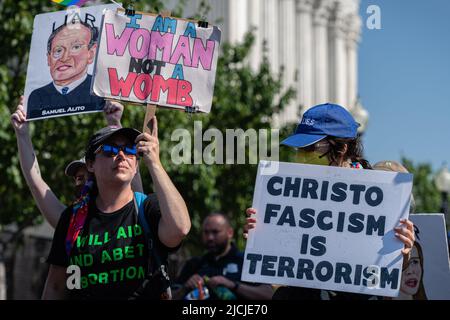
column 71, row 49
column 102, row 234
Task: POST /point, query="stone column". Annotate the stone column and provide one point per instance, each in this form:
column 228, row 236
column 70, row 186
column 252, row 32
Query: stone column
column 2, row 280
column 287, row 53
column 237, row 20
column 352, row 40
column 338, row 58
column 255, row 24
column 320, row 57
column 270, row 32
column 304, row 52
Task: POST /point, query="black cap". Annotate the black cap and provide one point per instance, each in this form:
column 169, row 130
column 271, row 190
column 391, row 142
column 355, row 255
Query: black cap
column 73, row 167
column 103, row 134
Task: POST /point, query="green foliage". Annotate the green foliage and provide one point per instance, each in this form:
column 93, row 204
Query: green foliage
column 243, row 98
column 426, row 195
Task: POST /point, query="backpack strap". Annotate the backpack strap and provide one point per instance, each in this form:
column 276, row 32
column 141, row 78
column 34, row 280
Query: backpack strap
column 154, row 260
column 157, row 273
column 139, row 200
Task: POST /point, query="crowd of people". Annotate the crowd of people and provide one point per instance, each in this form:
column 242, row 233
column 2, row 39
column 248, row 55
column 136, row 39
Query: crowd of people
column 120, row 237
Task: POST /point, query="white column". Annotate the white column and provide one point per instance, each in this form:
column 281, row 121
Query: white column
column 287, row 54
column 338, row 58
column 2, row 281
column 320, row 57
column 270, row 32
column 353, row 37
column 304, row 53
column 237, row 20
column 254, row 23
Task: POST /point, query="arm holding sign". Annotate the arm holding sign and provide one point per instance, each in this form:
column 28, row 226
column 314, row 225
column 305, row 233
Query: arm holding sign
column 175, row 222
column 46, row 200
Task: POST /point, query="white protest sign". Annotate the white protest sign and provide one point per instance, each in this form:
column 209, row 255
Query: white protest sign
column 158, row 60
column 427, row 276
column 61, row 63
column 327, row 228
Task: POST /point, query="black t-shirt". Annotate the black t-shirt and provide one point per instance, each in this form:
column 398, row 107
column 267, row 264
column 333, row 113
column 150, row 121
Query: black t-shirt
column 229, row 266
column 111, row 250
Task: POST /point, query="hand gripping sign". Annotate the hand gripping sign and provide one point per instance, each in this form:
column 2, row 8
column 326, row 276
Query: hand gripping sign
column 157, row 60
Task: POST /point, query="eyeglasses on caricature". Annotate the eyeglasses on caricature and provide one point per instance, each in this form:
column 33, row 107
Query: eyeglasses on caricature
column 112, row 150
column 74, row 50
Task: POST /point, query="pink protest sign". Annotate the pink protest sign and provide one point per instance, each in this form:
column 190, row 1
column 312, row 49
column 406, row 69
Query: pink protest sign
column 157, row 60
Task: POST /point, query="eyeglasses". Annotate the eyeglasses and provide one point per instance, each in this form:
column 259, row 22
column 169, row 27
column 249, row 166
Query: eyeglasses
column 112, row 150
column 74, row 49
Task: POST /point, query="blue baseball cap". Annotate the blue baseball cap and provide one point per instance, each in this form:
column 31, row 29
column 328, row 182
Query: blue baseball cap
column 321, row 121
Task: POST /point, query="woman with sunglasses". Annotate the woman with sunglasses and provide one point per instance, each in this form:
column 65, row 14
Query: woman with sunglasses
column 327, row 135
column 102, row 234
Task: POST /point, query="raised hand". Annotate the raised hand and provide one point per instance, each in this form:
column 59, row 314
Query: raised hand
column 405, row 233
column 250, row 221
column 113, row 111
column 148, row 145
column 19, row 119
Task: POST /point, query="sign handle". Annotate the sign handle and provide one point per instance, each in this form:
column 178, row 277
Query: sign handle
column 149, row 114
column 151, row 108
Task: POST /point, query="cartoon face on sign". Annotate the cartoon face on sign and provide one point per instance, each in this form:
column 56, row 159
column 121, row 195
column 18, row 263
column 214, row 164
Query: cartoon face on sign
column 62, row 58
column 412, row 275
column 70, row 50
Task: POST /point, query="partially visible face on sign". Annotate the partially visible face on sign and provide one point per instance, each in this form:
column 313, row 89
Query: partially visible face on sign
column 70, row 55
column 412, row 274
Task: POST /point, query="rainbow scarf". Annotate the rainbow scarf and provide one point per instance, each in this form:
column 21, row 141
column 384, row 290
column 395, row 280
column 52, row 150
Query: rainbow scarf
column 67, row 3
column 79, row 214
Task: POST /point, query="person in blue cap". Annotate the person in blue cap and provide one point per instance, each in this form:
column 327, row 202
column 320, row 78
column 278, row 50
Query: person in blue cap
column 328, row 135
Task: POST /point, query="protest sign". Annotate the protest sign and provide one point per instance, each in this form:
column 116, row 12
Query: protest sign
column 328, row 228
column 157, row 60
column 427, row 275
column 59, row 75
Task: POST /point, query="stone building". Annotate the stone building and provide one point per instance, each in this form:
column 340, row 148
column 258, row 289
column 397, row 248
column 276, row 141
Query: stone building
column 315, row 42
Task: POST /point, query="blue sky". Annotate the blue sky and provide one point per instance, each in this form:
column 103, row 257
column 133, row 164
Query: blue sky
column 404, row 81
